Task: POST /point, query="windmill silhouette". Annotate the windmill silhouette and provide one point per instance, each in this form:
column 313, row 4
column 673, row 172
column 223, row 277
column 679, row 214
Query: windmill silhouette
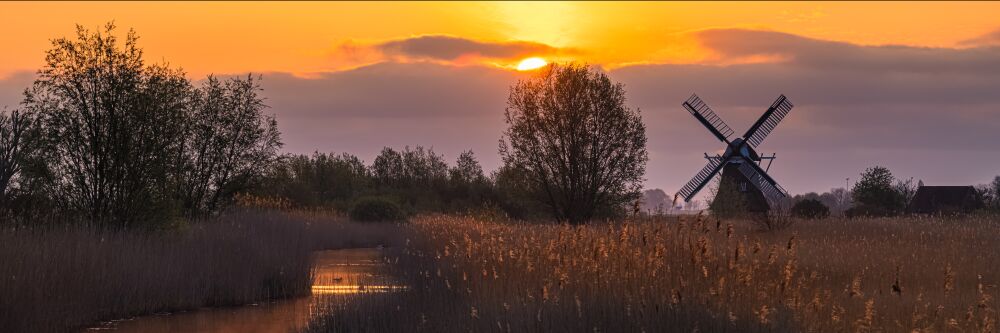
column 740, row 163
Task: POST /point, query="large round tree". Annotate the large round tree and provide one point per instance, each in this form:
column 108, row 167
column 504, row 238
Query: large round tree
column 572, row 136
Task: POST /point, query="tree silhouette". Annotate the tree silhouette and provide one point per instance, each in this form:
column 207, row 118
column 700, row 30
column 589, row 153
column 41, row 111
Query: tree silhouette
column 875, row 194
column 581, row 149
column 112, row 125
column 226, row 143
column 125, row 142
column 16, row 129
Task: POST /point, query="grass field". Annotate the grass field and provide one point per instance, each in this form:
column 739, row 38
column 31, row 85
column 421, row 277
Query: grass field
column 696, row 274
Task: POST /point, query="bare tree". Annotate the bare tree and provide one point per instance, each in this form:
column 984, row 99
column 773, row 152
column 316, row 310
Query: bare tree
column 571, row 134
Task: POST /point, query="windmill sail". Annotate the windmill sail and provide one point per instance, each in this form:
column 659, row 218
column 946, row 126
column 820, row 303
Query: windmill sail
column 756, row 134
column 771, row 190
column 707, row 117
column 702, row 178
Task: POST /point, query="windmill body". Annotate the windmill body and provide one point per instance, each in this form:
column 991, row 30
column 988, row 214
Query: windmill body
column 740, row 163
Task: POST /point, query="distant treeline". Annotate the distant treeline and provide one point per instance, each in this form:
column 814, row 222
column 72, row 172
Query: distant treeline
column 418, row 179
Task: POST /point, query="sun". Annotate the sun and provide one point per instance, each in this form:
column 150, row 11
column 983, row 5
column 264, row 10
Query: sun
column 531, row 63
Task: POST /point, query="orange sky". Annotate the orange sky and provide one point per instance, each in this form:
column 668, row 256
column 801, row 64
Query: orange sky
column 310, row 37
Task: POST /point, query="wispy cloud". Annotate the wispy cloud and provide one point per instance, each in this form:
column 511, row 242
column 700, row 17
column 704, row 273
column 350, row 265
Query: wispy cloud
column 444, row 49
column 991, row 38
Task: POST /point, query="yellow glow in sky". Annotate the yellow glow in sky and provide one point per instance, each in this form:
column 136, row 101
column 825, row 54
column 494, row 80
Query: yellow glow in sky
column 531, row 63
column 308, row 37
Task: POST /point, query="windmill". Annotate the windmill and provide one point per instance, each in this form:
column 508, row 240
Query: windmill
column 740, row 163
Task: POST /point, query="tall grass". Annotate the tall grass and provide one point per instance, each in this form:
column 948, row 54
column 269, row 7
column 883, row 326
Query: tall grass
column 66, row 277
column 896, row 275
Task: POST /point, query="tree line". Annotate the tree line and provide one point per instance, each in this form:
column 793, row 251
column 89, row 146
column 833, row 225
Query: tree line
column 104, row 137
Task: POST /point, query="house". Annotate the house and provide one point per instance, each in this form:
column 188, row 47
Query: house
column 944, row 200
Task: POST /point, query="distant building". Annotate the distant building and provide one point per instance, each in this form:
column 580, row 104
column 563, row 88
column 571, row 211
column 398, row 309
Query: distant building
column 944, row 200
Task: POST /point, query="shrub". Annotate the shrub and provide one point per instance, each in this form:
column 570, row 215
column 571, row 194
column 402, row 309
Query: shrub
column 863, row 210
column 771, row 221
column 375, row 209
column 810, row 209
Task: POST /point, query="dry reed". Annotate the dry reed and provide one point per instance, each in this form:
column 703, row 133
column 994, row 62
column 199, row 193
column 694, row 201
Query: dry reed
column 696, row 274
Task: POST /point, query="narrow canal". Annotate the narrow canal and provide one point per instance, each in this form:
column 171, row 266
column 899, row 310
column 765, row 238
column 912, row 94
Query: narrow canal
column 336, row 273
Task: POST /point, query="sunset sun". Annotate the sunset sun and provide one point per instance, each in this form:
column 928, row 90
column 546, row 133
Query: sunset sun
column 531, row 63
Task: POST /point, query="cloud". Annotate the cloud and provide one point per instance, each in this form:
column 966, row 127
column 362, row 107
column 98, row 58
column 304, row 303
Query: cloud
column 391, row 90
column 12, row 88
column 988, row 39
column 441, row 47
column 831, row 55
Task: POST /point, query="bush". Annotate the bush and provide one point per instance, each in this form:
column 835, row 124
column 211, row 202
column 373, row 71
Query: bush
column 771, row 221
column 810, row 209
column 863, row 210
column 374, row 209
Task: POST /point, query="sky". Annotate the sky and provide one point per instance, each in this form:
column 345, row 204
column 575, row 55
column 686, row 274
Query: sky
column 911, row 86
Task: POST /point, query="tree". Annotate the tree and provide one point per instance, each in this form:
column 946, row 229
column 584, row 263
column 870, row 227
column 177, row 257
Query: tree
column 576, row 142
column 16, row 129
column 468, row 186
column 906, row 189
column 113, row 125
column 387, row 168
column 467, row 169
column 876, row 195
column 514, row 195
column 994, row 193
column 125, row 142
column 841, row 200
column 655, row 202
column 227, row 143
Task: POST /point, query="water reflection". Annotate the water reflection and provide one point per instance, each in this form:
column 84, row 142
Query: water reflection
column 336, row 272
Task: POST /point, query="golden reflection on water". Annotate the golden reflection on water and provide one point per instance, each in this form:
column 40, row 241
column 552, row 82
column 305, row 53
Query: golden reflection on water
column 355, row 289
column 336, row 272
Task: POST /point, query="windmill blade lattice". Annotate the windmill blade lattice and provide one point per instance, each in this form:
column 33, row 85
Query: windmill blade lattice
column 702, row 178
column 703, row 113
column 770, row 119
column 772, row 191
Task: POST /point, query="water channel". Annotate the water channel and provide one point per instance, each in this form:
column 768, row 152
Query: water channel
column 336, row 273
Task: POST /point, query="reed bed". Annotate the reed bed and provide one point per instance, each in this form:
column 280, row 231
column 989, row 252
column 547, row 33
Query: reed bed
column 695, row 274
column 67, row 277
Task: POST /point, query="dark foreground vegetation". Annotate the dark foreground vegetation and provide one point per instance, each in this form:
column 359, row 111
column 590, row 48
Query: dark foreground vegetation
column 72, row 276
column 690, row 275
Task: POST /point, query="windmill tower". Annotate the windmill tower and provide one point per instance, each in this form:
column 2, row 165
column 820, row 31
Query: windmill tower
column 740, row 163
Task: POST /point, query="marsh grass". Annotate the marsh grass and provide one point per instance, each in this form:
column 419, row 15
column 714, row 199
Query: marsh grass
column 696, row 274
column 67, row 277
